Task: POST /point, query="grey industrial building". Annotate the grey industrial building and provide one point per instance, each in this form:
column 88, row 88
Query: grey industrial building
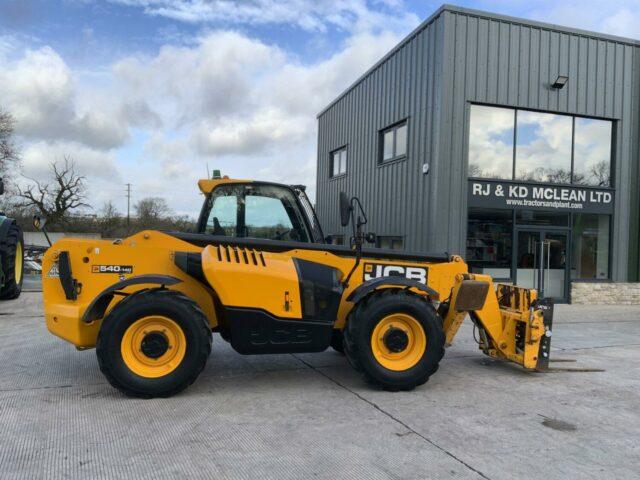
column 510, row 142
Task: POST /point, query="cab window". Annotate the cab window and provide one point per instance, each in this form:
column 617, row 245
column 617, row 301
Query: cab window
column 223, row 217
column 256, row 211
column 267, row 218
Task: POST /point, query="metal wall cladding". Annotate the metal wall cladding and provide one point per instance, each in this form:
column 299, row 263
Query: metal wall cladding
column 404, row 86
column 458, row 57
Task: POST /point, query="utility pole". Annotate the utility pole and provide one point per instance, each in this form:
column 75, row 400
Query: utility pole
column 128, row 203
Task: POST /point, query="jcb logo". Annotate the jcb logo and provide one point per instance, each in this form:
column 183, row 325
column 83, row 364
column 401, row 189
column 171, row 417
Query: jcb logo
column 377, row 270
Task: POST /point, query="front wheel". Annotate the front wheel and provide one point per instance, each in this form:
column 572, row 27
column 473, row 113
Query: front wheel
column 153, row 343
column 394, row 339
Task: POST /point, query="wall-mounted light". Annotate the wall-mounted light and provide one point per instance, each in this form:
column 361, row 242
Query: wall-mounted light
column 560, row 82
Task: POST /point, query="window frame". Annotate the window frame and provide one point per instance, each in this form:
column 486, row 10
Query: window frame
column 393, row 128
column 612, row 146
column 612, row 151
column 392, row 239
column 332, row 161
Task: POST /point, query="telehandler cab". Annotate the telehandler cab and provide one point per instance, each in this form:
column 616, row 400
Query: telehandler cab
column 259, row 272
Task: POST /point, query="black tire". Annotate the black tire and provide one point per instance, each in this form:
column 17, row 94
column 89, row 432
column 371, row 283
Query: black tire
column 8, row 252
column 360, row 327
column 168, row 303
column 337, row 341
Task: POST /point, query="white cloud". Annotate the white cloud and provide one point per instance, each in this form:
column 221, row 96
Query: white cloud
column 213, row 78
column 39, row 90
column 103, row 178
column 621, row 17
column 624, row 22
column 226, row 100
column 244, row 105
column 308, row 15
column 37, row 157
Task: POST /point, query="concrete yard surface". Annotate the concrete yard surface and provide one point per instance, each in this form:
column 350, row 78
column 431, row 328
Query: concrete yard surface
column 310, row 416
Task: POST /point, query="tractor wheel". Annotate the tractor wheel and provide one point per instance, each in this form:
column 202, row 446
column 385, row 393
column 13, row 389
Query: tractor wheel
column 153, row 343
column 337, row 341
column 12, row 257
column 394, row 339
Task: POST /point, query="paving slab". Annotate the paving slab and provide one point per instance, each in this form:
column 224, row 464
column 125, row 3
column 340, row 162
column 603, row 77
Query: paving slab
column 310, row 416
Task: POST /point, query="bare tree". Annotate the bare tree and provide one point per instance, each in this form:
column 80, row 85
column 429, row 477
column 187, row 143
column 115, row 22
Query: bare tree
column 558, row 175
column 152, row 208
column 475, row 170
column 8, row 149
column 56, row 200
column 151, row 212
column 600, row 173
column 110, row 220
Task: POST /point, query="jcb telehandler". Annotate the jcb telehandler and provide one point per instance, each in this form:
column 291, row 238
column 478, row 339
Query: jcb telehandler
column 259, row 272
column 11, row 256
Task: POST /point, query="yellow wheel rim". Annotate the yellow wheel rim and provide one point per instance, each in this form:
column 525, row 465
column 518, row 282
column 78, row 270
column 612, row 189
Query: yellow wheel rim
column 153, row 346
column 398, row 342
column 18, row 267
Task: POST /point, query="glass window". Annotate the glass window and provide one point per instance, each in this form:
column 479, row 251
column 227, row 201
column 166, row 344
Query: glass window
column 545, row 144
column 223, row 216
column 388, row 146
column 256, row 211
column 392, row 242
column 592, row 152
column 394, row 142
column 590, row 246
column 538, row 217
column 543, row 147
column 266, row 217
column 401, row 141
column 339, row 162
column 491, row 142
column 489, row 239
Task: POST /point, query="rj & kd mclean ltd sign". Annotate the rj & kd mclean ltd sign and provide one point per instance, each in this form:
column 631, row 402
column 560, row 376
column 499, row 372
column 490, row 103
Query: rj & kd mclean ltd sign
column 496, row 194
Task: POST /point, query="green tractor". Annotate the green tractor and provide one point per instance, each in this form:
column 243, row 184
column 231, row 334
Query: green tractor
column 11, row 256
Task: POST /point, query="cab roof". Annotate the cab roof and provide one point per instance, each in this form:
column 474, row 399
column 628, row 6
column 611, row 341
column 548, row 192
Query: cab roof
column 207, row 185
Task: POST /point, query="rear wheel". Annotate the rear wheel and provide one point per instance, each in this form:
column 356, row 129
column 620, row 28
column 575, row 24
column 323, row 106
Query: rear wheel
column 12, row 257
column 394, row 339
column 154, row 343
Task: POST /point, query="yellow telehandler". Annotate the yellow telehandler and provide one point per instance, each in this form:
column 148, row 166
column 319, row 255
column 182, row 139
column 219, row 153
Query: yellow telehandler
column 260, row 272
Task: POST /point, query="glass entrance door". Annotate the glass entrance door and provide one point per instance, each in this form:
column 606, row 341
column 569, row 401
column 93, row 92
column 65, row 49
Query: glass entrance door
column 541, row 262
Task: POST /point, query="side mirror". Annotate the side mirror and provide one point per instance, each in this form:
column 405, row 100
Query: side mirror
column 345, row 209
column 39, row 222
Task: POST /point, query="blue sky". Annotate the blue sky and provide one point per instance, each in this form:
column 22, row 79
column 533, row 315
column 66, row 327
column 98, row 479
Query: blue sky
column 150, row 92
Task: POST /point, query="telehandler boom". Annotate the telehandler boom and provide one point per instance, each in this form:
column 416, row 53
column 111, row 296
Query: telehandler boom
column 260, row 272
